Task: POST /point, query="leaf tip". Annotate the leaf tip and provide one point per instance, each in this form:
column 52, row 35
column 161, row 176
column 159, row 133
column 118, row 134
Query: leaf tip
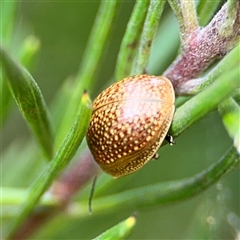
column 130, row 222
column 86, row 99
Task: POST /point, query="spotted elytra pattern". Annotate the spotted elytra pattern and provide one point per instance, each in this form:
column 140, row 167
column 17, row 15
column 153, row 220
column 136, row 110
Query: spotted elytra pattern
column 129, row 122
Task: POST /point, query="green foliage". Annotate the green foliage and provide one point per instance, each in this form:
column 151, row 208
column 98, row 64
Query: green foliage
column 121, row 231
column 29, row 100
column 125, row 38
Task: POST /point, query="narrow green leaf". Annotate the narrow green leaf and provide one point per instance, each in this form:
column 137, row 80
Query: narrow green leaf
column 131, row 40
column 8, row 10
column 230, row 113
column 15, row 196
column 187, row 18
column 149, row 29
column 205, row 102
column 64, row 154
column 27, row 54
column 97, row 42
column 165, row 46
column 168, row 192
column 92, row 56
column 236, row 95
column 5, row 100
column 206, row 10
column 120, row 231
column 29, row 50
column 29, row 100
column 160, row 193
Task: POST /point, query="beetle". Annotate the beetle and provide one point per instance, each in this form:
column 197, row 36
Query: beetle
column 129, row 122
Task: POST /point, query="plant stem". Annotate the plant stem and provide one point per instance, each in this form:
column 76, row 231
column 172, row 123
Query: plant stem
column 161, row 193
column 187, row 18
column 75, row 178
column 230, row 63
column 168, row 192
column 60, row 160
column 130, row 40
column 205, row 45
column 149, row 29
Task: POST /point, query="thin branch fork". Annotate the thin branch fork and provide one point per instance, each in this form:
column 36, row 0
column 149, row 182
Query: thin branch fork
column 205, row 45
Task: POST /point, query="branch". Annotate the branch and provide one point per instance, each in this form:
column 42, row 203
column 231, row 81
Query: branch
column 204, row 45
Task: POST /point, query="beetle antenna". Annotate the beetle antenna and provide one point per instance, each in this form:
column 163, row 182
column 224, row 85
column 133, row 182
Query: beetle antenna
column 91, row 195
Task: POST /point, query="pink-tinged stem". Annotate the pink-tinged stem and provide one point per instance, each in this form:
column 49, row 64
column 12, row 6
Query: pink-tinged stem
column 203, row 46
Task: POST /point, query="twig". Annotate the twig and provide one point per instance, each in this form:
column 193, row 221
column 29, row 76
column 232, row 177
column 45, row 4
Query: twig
column 205, row 45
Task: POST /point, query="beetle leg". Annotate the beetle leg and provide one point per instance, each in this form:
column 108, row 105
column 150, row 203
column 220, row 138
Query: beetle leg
column 170, row 140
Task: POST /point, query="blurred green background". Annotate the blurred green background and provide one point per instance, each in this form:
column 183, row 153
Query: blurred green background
column 63, row 28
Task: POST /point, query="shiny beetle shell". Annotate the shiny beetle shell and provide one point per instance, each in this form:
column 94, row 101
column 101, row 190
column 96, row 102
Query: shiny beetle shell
column 129, row 122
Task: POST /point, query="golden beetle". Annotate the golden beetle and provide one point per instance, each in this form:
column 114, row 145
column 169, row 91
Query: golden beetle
column 129, row 122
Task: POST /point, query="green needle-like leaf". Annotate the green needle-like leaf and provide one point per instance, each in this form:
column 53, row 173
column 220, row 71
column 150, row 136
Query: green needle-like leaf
column 120, row 231
column 8, row 10
column 29, row 51
column 205, row 102
column 149, row 29
column 168, row 192
column 206, row 10
column 186, row 16
column 91, row 61
column 32, row 190
column 29, row 100
column 159, row 193
column 230, row 112
column 64, row 154
column 13, row 196
column 131, row 40
column 5, row 101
